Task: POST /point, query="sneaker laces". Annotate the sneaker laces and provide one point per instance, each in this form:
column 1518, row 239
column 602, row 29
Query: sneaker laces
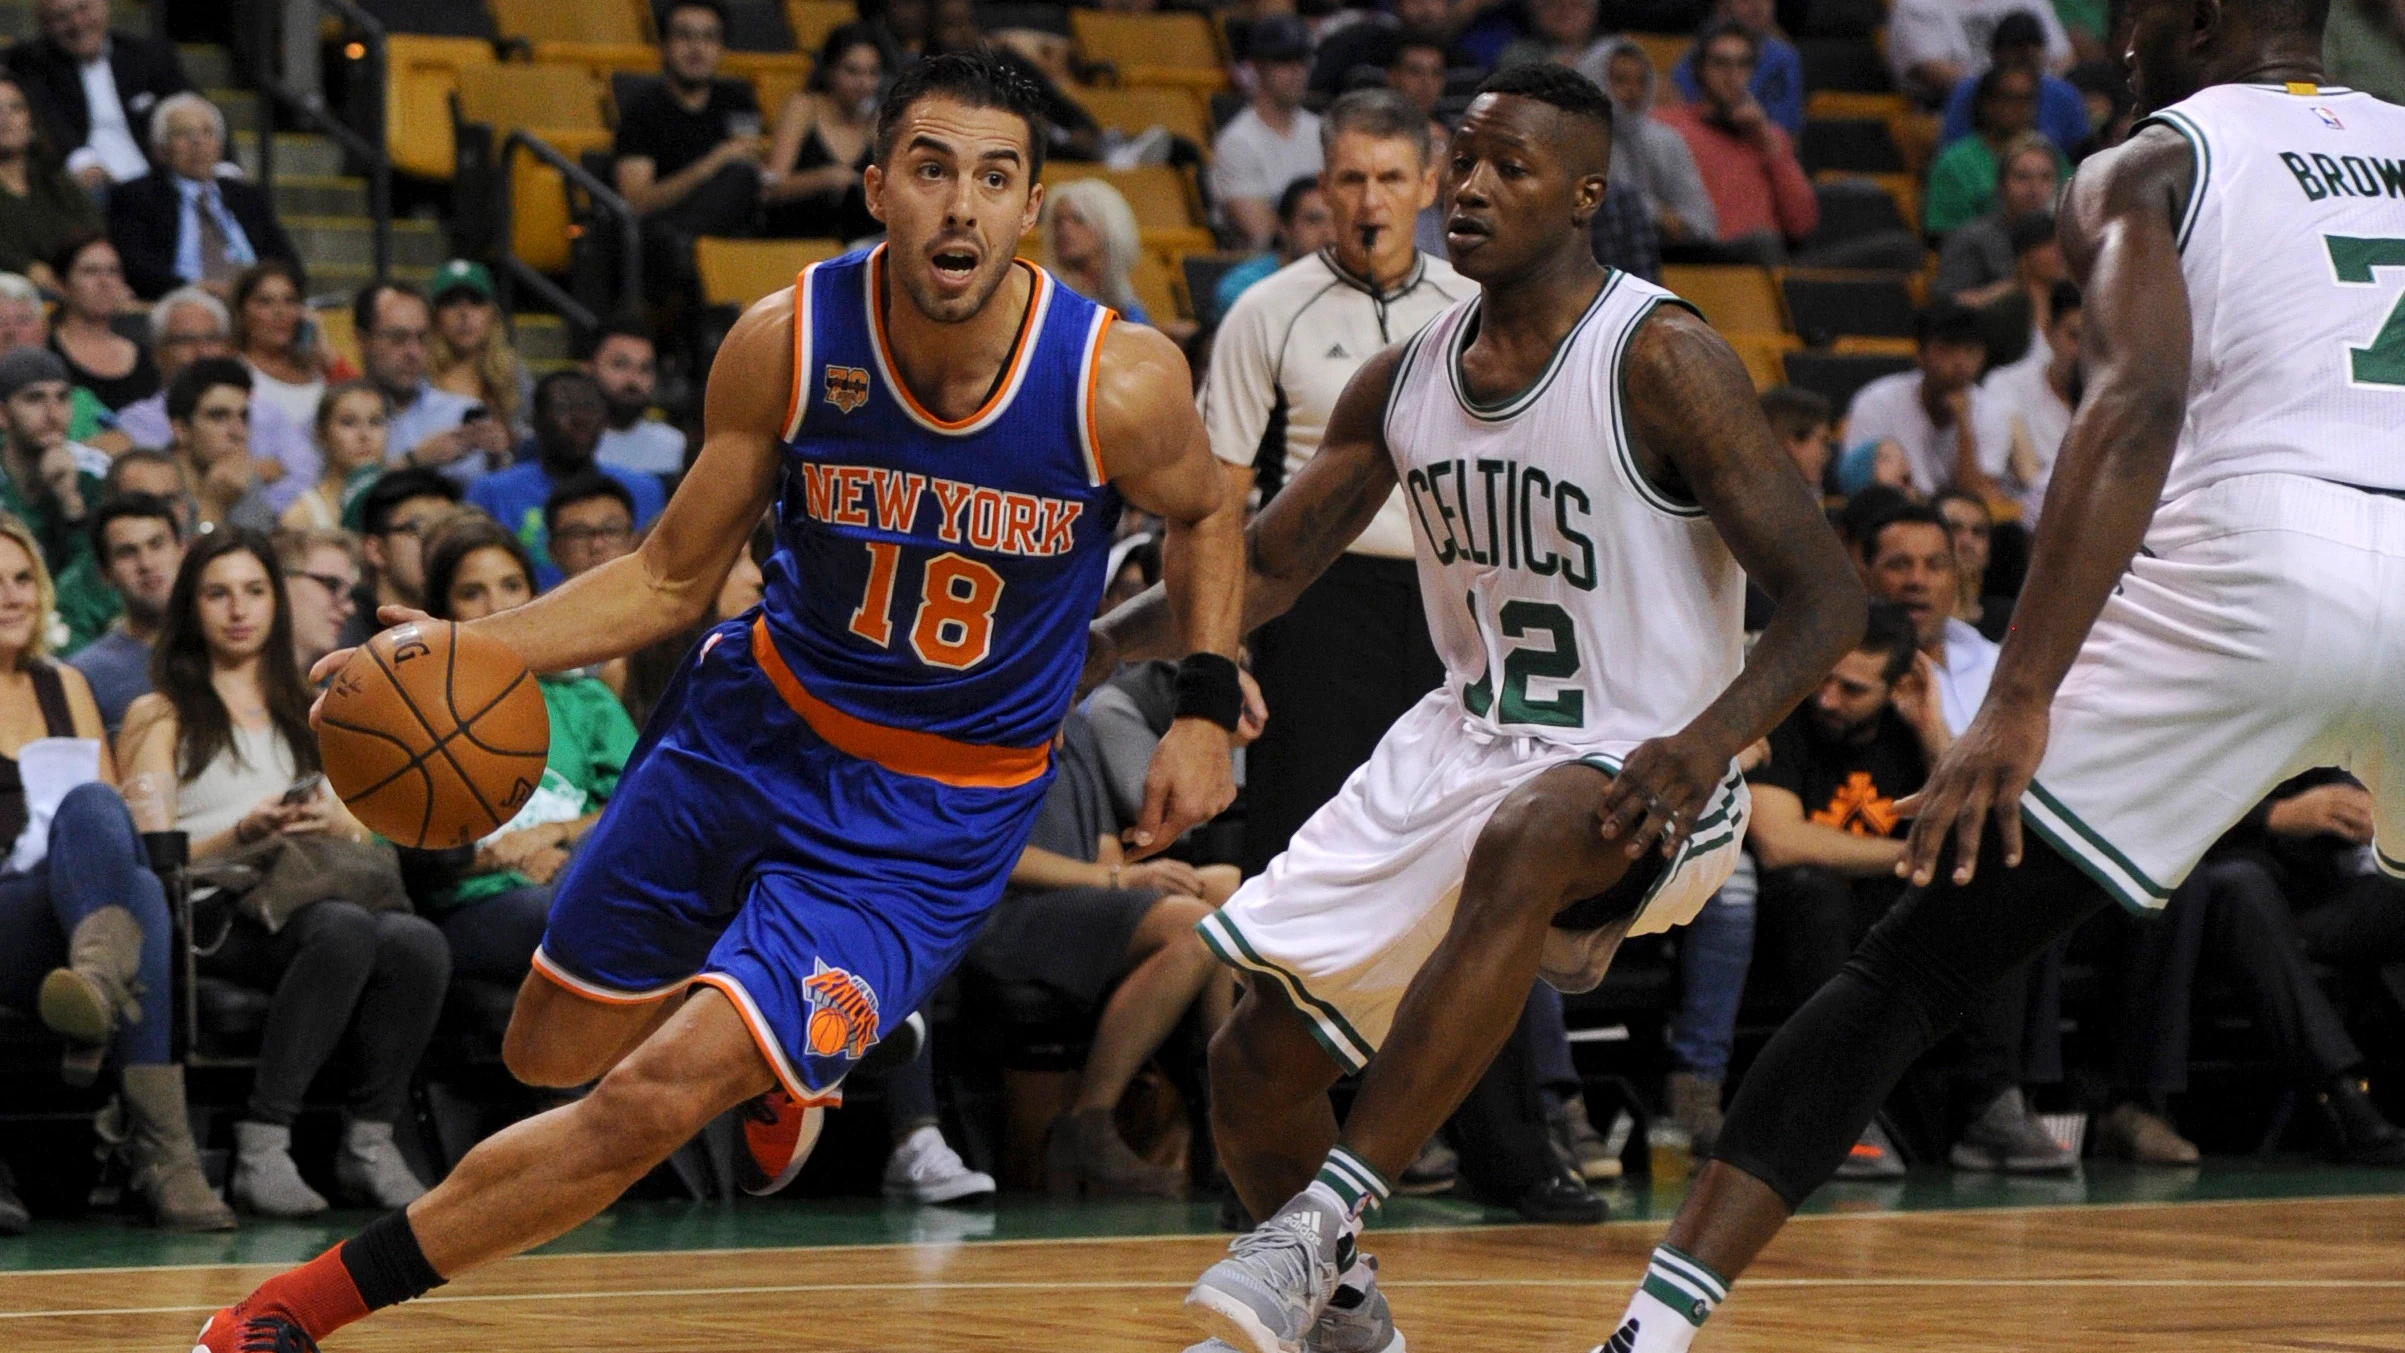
column 274, row 1334
column 1289, row 1256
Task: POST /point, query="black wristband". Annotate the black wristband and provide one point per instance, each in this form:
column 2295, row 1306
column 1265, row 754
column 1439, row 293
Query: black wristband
column 1207, row 689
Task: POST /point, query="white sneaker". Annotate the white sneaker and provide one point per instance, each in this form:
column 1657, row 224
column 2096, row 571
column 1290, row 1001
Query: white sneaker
column 925, row 1169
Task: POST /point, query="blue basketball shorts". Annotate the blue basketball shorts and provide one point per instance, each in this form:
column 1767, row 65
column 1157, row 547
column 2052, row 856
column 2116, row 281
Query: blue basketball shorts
column 825, row 894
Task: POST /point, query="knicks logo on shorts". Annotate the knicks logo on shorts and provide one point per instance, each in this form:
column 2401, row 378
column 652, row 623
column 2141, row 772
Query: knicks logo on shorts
column 847, row 387
column 843, row 1012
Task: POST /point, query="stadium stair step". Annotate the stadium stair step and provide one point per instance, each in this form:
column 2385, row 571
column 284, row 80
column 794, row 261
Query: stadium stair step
column 296, row 153
column 349, row 239
column 543, row 341
column 240, row 106
column 319, row 195
column 210, row 66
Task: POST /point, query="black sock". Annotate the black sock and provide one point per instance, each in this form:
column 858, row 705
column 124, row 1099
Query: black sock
column 386, row 1264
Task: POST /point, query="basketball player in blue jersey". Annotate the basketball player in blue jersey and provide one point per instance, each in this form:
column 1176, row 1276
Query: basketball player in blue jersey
column 835, row 788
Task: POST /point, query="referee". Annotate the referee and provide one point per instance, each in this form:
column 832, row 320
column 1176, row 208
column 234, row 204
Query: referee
column 1354, row 652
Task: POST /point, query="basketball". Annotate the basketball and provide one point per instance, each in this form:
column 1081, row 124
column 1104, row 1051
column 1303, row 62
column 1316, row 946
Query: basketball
column 433, row 735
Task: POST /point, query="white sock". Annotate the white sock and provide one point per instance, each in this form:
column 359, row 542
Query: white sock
column 1677, row 1296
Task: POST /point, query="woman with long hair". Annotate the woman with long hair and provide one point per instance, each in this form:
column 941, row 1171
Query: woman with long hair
column 87, row 935
column 469, row 353
column 493, row 913
column 276, row 338
column 93, row 291
column 228, row 726
column 825, row 136
column 1090, row 244
column 348, row 426
column 41, row 206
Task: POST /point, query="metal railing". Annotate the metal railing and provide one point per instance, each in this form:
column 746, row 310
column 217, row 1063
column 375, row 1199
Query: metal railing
column 368, row 149
column 516, row 271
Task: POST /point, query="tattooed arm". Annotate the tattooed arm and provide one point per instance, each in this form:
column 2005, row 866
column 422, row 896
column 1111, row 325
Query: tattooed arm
column 1697, row 424
column 1294, row 539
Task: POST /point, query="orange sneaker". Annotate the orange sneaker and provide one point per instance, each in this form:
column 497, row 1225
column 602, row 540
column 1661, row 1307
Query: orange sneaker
column 777, row 1137
column 229, row 1331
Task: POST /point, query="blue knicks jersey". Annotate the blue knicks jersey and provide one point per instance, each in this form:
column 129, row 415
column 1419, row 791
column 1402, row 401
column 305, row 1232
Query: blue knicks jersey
column 937, row 577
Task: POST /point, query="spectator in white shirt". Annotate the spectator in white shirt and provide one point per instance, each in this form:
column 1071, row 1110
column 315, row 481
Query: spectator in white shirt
column 1274, row 141
column 1934, row 44
column 2026, row 407
column 1911, row 558
column 1933, row 411
column 92, row 90
column 626, row 367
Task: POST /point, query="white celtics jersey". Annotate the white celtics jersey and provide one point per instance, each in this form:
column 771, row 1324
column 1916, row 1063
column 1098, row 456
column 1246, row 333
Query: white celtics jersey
column 1572, row 601
column 2293, row 244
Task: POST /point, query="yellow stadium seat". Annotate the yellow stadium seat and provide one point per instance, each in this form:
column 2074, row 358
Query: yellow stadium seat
column 739, row 272
column 1764, row 355
column 812, row 20
column 341, row 337
column 1153, row 49
column 786, row 70
column 541, row 228
column 1162, row 196
column 422, row 74
column 508, row 97
column 1157, row 287
column 1843, row 103
column 772, row 86
column 1135, row 108
column 1874, row 346
column 1665, row 50
column 613, row 22
column 1734, row 298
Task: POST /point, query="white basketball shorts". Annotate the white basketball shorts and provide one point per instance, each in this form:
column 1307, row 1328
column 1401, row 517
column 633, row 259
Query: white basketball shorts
column 2259, row 633
column 1341, row 921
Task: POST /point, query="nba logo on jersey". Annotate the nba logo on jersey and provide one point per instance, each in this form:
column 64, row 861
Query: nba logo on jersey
column 2328, row 118
column 847, row 387
column 843, row 1012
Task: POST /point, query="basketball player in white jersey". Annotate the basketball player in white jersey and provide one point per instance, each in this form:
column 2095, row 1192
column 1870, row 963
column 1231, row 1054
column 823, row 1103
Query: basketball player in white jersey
column 2216, row 601
column 1590, row 482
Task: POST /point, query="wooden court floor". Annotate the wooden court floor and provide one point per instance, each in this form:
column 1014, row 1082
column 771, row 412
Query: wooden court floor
column 2321, row 1275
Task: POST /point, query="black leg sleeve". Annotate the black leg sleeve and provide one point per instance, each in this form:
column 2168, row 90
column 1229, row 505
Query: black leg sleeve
column 1826, row 1071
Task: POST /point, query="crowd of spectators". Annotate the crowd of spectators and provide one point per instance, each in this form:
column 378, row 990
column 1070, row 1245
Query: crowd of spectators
column 203, row 493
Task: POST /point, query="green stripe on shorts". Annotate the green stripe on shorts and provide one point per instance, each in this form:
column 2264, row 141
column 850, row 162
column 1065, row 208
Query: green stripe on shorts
column 1342, row 1042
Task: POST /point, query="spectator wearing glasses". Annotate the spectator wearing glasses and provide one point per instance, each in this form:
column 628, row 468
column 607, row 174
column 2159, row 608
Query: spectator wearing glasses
column 1962, row 180
column 186, row 325
column 396, row 516
column 182, row 224
column 589, row 519
column 568, row 418
column 426, row 426
column 350, row 424
column 321, row 573
column 138, row 539
column 625, row 364
column 1761, row 198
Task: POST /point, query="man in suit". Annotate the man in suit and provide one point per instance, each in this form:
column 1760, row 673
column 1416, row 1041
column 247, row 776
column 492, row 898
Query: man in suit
column 181, row 224
column 93, row 90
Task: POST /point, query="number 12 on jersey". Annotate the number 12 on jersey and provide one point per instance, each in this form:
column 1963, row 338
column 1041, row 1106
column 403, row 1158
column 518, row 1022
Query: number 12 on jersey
column 953, row 626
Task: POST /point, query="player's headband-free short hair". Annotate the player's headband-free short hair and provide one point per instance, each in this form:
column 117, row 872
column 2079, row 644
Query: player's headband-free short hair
column 1550, row 83
column 1378, row 112
column 979, row 79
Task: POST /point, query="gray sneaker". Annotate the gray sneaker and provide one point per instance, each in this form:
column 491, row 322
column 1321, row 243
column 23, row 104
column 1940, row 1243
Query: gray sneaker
column 1270, row 1290
column 1366, row 1326
column 1356, row 1321
column 2007, row 1137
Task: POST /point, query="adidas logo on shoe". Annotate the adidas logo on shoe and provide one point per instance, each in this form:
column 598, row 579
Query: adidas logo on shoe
column 1623, row 1340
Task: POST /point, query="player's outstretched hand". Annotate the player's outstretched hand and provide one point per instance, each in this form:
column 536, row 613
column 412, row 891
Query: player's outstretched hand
column 1986, row 770
column 1661, row 789
column 324, row 668
column 1190, row 782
